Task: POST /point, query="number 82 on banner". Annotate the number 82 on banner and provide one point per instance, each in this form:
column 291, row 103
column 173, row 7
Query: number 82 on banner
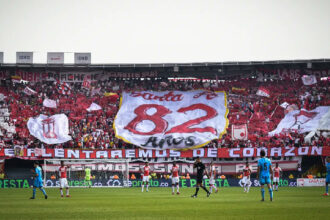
column 192, row 119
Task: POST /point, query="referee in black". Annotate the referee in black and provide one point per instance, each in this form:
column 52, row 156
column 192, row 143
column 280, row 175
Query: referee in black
column 200, row 173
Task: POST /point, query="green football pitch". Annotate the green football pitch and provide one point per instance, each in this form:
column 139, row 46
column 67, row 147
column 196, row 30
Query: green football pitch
column 158, row 203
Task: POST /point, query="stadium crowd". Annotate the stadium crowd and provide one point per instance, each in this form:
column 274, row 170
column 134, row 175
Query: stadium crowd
column 94, row 129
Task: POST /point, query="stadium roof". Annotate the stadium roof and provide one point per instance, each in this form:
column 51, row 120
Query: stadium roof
column 202, row 69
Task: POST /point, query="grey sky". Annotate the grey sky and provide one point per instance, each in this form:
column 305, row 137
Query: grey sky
column 149, row 31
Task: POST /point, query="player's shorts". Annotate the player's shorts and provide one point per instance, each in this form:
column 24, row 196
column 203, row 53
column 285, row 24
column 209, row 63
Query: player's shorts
column 87, row 179
column 264, row 180
column 199, row 179
column 246, row 180
column 212, row 181
column 145, row 179
column 276, row 179
column 64, row 183
column 327, row 180
column 38, row 183
column 175, row 180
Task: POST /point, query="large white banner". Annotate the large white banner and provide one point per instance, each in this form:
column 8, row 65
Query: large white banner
column 50, row 130
column 171, row 120
column 301, row 121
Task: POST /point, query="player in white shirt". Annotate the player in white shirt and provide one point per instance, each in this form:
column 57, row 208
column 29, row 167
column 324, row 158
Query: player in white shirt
column 246, row 177
column 212, row 174
column 277, row 173
column 175, row 178
column 63, row 180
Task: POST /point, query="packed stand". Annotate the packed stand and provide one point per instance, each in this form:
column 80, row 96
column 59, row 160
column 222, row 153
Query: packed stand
column 93, row 130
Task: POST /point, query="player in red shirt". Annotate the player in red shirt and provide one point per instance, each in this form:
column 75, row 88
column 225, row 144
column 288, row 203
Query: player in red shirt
column 277, row 171
column 145, row 178
column 63, row 180
column 246, row 177
column 175, row 178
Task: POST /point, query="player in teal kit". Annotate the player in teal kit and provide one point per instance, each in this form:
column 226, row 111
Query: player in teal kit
column 327, row 180
column 265, row 171
column 38, row 181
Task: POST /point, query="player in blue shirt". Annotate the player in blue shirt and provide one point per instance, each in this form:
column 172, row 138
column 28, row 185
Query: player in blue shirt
column 38, row 181
column 264, row 172
column 327, row 180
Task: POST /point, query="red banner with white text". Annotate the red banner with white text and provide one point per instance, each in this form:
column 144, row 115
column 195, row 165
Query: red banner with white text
column 145, row 153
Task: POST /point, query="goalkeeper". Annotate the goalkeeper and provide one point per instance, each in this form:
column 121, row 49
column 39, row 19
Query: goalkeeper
column 88, row 177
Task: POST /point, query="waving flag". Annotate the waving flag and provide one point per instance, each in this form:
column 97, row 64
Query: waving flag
column 49, row 103
column 95, row 91
column 29, row 91
column 239, row 132
column 63, row 88
column 308, row 80
column 50, row 130
column 94, row 107
column 301, row 121
column 284, row 105
column 263, row 92
column 86, row 83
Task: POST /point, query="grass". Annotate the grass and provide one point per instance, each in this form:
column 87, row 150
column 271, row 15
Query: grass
column 158, row 203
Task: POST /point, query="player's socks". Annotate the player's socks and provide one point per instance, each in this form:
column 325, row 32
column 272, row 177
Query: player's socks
column 270, row 194
column 61, row 192
column 177, row 188
column 263, row 193
column 147, row 188
column 43, row 191
column 142, row 187
column 273, row 186
column 277, row 187
column 34, row 192
column 67, row 192
column 327, row 188
column 197, row 189
column 248, row 188
column 211, row 188
column 172, row 189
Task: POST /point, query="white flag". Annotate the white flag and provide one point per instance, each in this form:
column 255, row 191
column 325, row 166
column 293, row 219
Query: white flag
column 284, row 105
column 94, row 107
column 301, row 121
column 115, row 88
column 50, row 130
column 95, row 91
column 29, row 91
column 309, row 80
column 2, row 97
column 49, row 103
column 239, row 132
